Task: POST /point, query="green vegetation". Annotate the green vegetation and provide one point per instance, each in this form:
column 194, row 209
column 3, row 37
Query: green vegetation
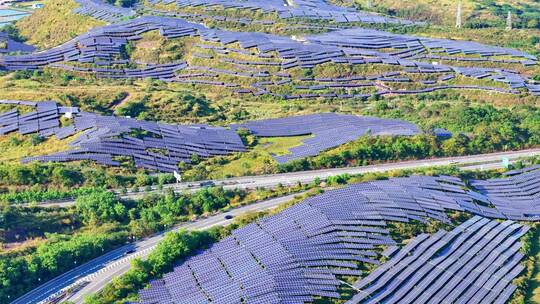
column 20, row 225
column 16, row 147
column 175, row 247
column 37, row 195
column 257, row 161
column 100, row 207
column 528, row 283
column 18, row 274
column 154, row 48
column 40, row 243
column 54, row 24
column 123, row 3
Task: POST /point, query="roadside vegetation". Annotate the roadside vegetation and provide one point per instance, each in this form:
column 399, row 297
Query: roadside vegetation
column 40, row 243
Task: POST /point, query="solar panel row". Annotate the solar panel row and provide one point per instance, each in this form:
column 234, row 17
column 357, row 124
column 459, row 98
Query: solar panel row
column 103, row 47
column 309, row 9
column 103, row 11
column 298, row 254
column 518, row 194
column 102, row 138
column 474, row 263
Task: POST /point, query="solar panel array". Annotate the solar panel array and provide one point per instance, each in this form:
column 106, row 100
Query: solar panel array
column 163, row 72
column 11, row 46
column 299, row 253
column 329, row 130
column 104, row 137
column 100, row 52
column 414, row 45
column 474, row 263
column 308, row 9
column 101, row 46
column 44, row 120
column 150, row 145
column 518, row 194
column 100, row 10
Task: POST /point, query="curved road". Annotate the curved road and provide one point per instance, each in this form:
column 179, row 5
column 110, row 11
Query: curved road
column 102, row 269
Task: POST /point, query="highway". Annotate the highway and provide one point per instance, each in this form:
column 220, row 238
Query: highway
column 102, row 269
column 473, row 162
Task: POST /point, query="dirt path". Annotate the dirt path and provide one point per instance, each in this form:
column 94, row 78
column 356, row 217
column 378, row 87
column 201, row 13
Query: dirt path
column 121, row 102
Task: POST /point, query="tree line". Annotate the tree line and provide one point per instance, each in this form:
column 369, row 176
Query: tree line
column 96, row 224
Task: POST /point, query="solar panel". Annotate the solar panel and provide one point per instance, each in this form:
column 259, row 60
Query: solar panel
column 99, row 51
column 302, row 250
column 444, row 267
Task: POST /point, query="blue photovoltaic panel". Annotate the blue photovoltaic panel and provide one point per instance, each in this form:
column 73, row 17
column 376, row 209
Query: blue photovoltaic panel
column 299, row 253
column 450, row 267
column 99, row 52
column 12, row 46
column 517, row 195
column 309, row 9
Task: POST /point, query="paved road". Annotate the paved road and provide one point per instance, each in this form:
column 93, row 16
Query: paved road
column 252, row 182
column 474, row 162
column 103, row 269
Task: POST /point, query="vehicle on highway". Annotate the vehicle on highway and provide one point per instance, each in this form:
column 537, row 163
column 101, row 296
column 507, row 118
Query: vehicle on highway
column 207, row 184
column 229, row 217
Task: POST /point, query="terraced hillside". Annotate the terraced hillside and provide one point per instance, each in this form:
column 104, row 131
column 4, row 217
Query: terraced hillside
column 332, row 62
column 105, row 104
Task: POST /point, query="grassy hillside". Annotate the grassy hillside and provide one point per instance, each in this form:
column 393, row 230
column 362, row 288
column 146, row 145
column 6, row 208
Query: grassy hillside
column 475, row 13
column 55, row 23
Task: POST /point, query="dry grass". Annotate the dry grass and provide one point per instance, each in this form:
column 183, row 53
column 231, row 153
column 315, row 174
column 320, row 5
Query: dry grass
column 55, row 23
column 15, row 147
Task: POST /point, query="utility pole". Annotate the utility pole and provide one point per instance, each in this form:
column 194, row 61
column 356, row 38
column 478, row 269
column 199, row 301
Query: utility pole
column 458, row 15
column 509, row 21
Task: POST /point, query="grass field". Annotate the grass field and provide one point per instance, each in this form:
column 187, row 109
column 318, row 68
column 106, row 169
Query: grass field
column 55, row 23
column 15, row 147
column 257, row 161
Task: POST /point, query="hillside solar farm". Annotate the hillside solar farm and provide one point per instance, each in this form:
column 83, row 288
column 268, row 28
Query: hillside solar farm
column 269, row 151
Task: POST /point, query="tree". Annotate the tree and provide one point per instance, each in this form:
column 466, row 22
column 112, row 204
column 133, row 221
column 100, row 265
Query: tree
column 209, row 199
column 67, row 178
column 99, row 207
